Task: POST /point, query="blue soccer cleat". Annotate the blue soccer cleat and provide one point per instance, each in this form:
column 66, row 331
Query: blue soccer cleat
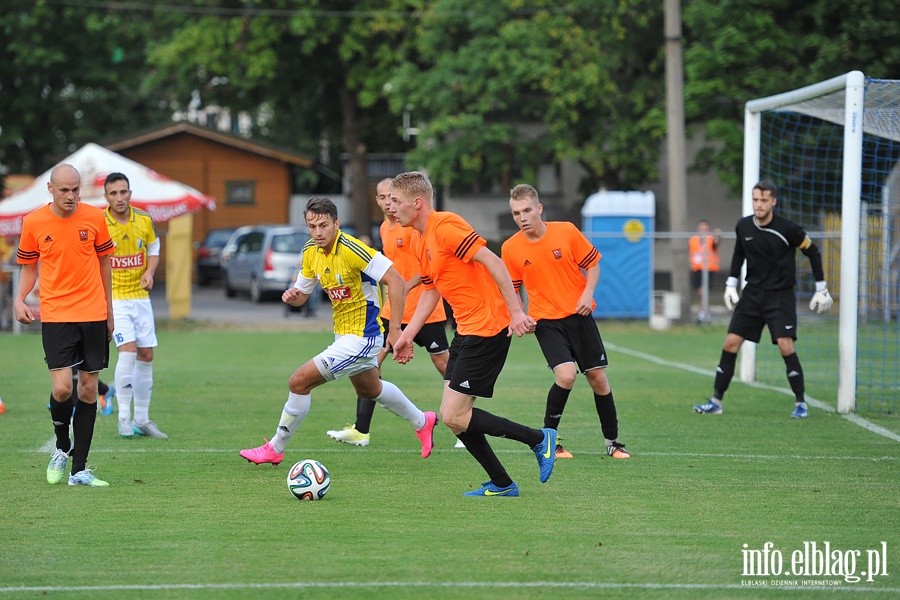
column 489, row 489
column 545, row 452
column 708, row 408
column 105, row 401
column 800, row 411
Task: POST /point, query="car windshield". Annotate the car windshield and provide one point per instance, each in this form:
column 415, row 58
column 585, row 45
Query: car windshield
column 218, row 237
column 289, row 242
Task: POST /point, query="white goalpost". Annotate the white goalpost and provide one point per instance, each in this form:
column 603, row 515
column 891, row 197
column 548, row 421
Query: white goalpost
column 786, row 140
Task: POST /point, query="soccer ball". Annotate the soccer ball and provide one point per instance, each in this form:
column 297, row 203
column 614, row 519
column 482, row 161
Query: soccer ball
column 308, row 480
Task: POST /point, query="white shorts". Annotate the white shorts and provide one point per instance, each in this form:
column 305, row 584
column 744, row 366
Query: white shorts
column 134, row 323
column 348, row 356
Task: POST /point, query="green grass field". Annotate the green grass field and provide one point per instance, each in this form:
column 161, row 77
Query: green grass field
column 187, row 517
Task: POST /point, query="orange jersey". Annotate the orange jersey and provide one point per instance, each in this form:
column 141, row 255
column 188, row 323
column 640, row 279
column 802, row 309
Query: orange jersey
column 445, row 263
column 396, row 241
column 70, row 285
column 550, row 268
column 711, row 254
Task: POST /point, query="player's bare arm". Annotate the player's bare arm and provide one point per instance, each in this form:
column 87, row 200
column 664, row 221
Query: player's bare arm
column 586, row 301
column 27, row 279
column 294, row 297
column 106, row 278
column 520, row 323
column 397, row 295
column 403, row 349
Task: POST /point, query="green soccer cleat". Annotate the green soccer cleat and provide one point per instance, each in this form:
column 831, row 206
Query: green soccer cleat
column 56, row 470
column 87, row 478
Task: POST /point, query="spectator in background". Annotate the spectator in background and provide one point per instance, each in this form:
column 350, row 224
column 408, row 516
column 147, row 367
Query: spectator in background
column 704, row 252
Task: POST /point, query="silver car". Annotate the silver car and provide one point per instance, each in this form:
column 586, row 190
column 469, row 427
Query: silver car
column 262, row 260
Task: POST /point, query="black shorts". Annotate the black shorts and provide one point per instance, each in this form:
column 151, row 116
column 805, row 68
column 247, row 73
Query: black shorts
column 776, row 309
column 697, row 279
column 432, row 336
column 475, row 363
column 81, row 346
column 572, row 339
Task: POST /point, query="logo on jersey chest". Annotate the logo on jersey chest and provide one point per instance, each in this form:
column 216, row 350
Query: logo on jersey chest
column 557, row 254
column 134, row 261
column 399, row 242
column 83, row 235
column 339, row 294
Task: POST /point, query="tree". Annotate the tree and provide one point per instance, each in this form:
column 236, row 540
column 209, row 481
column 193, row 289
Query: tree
column 738, row 50
column 68, row 76
column 499, row 88
column 310, row 72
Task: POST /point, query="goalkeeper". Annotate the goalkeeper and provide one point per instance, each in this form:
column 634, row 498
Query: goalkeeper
column 767, row 242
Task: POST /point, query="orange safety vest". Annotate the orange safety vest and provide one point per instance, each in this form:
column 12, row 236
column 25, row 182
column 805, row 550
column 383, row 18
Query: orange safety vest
column 697, row 254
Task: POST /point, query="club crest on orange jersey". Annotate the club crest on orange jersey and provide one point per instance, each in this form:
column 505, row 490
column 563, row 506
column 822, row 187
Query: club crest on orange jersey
column 557, row 254
column 82, row 235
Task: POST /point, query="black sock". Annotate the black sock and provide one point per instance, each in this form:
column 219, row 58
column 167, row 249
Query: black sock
column 484, row 422
column 556, row 404
column 365, row 408
column 606, row 410
column 724, row 374
column 61, row 413
column 795, row 376
column 102, row 388
column 83, row 428
column 478, row 447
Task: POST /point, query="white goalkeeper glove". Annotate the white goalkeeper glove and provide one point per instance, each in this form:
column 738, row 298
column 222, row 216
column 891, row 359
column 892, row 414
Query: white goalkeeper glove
column 821, row 301
column 731, row 293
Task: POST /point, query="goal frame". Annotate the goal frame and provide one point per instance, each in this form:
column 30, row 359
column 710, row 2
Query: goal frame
column 853, row 84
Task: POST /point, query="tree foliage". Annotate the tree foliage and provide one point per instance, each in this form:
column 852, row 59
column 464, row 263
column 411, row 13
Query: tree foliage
column 311, row 79
column 501, row 87
column 739, row 50
column 67, row 76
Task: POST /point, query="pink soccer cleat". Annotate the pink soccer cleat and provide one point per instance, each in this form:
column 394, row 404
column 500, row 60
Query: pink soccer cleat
column 426, row 434
column 263, row 454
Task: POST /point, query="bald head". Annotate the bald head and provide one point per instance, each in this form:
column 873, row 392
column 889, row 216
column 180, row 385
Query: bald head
column 65, row 186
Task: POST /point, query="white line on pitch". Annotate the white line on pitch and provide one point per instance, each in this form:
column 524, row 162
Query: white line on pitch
column 855, row 419
column 447, row 585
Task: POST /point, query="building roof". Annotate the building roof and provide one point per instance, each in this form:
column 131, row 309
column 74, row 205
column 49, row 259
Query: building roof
column 253, row 146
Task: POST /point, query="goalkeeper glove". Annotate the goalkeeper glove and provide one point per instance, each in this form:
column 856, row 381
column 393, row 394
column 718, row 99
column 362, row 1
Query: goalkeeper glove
column 821, row 301
column 731, row 294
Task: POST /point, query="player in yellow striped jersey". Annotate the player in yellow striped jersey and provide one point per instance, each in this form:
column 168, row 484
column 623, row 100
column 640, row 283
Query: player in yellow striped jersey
column 134, row 263
column 349, row 271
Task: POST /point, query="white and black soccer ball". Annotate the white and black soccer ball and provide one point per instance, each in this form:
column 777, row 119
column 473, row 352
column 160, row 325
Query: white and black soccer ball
column 308, row 480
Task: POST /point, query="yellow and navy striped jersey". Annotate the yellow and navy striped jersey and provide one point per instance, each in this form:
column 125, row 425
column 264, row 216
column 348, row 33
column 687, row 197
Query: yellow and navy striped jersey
column 349, row 274
column 129, row 260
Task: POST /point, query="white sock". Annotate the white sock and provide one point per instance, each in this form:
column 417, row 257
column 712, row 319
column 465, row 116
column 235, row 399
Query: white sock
column 295, row 410
column 395, row 401
column 143, row 387
column 124, row 374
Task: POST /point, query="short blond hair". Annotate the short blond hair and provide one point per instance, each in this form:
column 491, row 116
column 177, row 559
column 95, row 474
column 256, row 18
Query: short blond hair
column 413, row 183
column 523, row 191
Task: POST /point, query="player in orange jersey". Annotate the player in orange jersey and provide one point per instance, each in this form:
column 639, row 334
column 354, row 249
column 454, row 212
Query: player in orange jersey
column 548, row 259
column 72, row 243
column 395, row 241
column 454, row 262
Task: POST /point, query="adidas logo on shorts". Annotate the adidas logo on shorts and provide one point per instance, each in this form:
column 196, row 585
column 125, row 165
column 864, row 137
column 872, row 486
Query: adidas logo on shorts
column 464, row 384
column 433, row 345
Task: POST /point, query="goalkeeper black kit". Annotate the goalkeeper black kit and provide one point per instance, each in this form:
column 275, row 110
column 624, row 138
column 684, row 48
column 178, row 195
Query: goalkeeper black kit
column 770, row 253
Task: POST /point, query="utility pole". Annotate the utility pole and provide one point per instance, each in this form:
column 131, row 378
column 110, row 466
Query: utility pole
column 675, row 149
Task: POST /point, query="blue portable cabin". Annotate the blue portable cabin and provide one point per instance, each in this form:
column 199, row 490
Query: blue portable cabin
column 620, row 225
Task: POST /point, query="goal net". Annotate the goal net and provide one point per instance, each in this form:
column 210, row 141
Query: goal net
column 833, row 150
